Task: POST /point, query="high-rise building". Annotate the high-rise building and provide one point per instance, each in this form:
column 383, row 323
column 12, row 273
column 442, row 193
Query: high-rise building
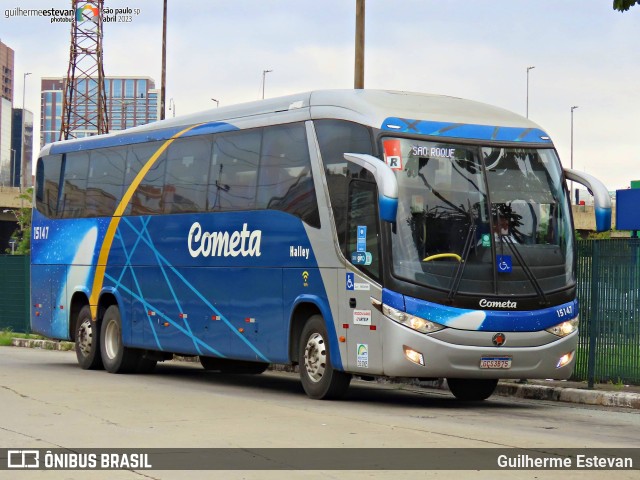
column 21, row 137
column 6, row 72
column 6, row 154
column 131, row 101
column 6, row 105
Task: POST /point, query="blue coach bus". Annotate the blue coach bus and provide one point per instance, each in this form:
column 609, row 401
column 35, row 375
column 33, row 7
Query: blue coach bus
column 355, row 232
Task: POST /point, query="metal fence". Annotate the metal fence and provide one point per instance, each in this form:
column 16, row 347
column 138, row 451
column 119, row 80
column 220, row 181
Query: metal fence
column 608, row 290
column 609, row 295
column 14, row 293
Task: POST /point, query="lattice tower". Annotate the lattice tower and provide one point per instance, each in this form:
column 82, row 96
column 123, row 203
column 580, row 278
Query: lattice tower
column 84, row 109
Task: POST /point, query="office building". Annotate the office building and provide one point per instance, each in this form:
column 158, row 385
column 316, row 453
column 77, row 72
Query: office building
column 6, row 72
column 21, row 137
column 131, row 101
column 6, row 105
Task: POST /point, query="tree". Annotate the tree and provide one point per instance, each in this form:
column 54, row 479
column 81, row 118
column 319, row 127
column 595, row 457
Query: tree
column 22, row 235
column 623, row 5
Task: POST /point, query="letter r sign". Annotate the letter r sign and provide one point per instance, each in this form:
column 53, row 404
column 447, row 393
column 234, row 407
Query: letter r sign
column 393, row 154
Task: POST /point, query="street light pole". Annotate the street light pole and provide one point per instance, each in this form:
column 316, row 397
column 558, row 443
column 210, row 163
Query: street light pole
column 358, row 80
column 264, row 74
column 218, row 103
column 571, row 183
column 163, row 73
column 172, row 106
column 22, row 159
column 528, row 68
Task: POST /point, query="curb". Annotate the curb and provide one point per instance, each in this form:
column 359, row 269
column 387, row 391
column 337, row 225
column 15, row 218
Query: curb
column 506, row 389
column 42, row 344
column 570, row 395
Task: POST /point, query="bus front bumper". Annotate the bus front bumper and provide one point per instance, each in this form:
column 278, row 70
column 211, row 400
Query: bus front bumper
column 532, row 355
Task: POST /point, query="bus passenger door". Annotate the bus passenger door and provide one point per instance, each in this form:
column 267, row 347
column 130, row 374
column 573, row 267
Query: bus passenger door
column 364, row 345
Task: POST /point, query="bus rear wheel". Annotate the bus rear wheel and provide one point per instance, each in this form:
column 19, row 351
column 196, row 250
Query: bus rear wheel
column 472, row 389
column 87, row 341
column 115, row 356
column 319, row 379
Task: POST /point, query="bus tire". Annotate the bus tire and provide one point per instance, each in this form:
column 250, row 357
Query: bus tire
column 472, row 389
column 87, row 338
column 224, row 365
column 319, row 379
column 115, row 356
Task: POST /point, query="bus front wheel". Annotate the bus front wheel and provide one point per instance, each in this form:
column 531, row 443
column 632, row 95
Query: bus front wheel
column 319, row 379
column 472, row 389
column 115, row 356
column 87, row 341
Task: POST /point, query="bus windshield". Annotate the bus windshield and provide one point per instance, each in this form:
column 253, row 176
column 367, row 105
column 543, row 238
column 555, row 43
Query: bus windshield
column 480, row 220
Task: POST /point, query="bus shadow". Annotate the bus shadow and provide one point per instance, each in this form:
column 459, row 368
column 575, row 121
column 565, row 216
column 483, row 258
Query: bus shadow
column 370, row 393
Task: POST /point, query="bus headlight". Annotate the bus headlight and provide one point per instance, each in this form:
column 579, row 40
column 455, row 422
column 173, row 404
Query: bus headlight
column 415, row 323
column 565, row 328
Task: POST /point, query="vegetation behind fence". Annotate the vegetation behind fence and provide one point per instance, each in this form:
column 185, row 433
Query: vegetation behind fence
column 14, row 293
column 609, row 295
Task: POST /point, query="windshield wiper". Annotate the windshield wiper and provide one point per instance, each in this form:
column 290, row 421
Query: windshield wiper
column 466, row 249
column 525, row 267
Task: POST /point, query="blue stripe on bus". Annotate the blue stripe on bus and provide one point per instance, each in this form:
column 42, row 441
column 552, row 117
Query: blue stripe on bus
column 465, row 130
column 483, row 320
column 118, row 139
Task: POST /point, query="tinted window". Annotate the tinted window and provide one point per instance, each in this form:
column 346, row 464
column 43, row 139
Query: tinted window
column 47, row 184
column 148, row 197
column 188, row 161
column 363, row 223
column 106, row 177
column 337, row 137
column 285, row 182
column 234, row 170
column 76, row 170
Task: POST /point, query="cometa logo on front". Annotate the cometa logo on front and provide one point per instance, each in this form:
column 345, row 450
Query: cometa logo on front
column 224, row 244
column 484, row 303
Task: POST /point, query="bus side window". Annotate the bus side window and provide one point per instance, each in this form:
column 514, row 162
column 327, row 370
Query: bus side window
column 285, row 182
column 47, row 184
column 105, row 183
column 185, row 188
column 363, row 212
column 335, row 138
column 74, row 190
column 234, row 171
column 148, row 196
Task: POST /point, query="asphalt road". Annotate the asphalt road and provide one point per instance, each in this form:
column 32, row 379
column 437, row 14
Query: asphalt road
column 47, row 401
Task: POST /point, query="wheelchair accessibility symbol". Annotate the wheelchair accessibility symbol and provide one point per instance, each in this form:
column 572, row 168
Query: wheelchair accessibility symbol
column 350, row 281
column 504, row 263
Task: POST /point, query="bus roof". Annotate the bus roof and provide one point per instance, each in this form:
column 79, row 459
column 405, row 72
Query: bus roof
column 382, row 109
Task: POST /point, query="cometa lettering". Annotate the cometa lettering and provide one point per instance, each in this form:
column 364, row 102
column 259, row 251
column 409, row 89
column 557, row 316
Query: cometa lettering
column 224, row 244
column 484, row 303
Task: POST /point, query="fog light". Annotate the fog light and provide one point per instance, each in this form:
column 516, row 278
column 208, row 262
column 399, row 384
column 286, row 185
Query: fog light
column 565, row 359
column 413, row 356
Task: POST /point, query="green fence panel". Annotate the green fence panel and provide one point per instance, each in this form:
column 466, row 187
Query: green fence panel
column 609, row 295
column 14, row 293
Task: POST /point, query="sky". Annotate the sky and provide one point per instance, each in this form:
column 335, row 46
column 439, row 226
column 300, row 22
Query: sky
column 585, row 54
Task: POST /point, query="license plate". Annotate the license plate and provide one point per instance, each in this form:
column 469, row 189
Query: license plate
column 495, row 362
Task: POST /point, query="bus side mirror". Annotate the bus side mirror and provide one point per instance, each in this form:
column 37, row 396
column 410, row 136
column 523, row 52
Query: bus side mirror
column 386, row 181
column 601, row 198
